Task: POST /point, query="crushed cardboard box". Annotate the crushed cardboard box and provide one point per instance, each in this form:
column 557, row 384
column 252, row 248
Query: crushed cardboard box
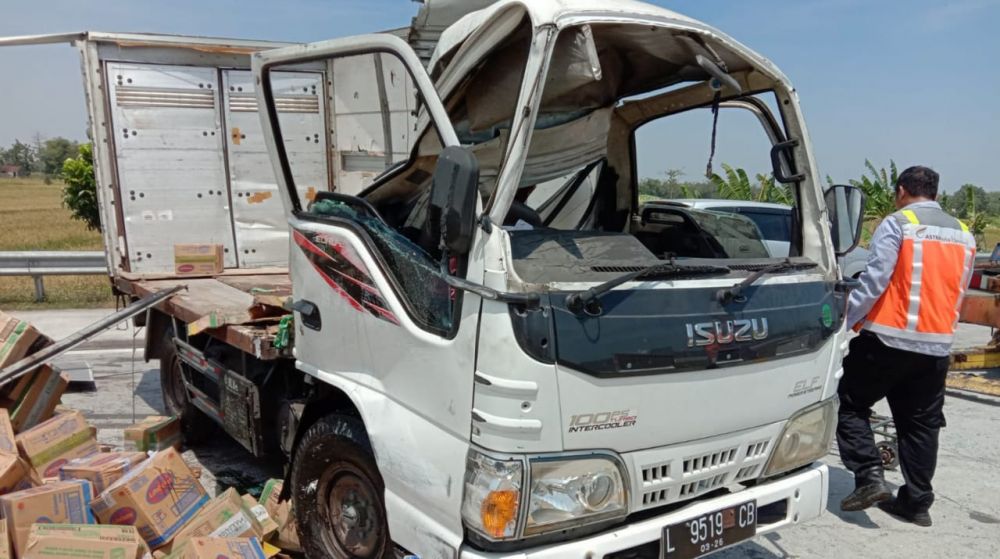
column 287, row 537
column 7, row 443
column 18, row 338
column 35, row 397
column 101, row 469
column 154, row 433
column 219, row 548
column 15, row 474
column 52, row 443
column 58, row 502
column 198, row 259
column 268, row 527
column 4, row 541
column 84, row 541
column 223, row 517
column 158, row 497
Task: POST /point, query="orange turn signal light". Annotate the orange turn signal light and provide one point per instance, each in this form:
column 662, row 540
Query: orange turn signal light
column 499, row 509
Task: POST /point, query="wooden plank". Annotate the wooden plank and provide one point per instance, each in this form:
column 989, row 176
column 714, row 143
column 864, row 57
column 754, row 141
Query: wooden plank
column 975, row 359
column 230, row 272
column 974, row 383
column 205, row 295
column 271, row 284
column 981, row 307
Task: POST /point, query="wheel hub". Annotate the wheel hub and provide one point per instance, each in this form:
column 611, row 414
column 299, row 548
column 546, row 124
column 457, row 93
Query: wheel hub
column 354, row 514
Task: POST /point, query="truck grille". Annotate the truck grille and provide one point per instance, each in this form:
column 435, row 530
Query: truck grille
column 683, row 472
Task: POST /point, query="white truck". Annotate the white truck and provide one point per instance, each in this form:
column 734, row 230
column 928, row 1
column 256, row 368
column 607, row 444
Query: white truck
column 497, row 352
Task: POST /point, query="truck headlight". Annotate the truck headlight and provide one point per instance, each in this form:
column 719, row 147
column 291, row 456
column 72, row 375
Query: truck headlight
column 806, row 438
column 559, row 493
column 572, row 492
column 492, row 495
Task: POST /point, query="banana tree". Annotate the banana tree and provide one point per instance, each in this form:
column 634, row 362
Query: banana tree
column 736, row 185
column 879, row 189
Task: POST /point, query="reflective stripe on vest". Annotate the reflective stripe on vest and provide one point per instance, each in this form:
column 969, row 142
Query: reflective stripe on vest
column 924, row 296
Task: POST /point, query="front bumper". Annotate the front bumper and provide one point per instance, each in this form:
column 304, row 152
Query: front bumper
column 804, row 493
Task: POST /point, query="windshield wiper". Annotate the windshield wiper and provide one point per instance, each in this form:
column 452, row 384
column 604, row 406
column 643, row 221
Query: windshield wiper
column 585, row 300
column 735, row 293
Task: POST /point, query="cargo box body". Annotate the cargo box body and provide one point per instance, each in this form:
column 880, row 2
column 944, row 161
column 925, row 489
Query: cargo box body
column 180, row 157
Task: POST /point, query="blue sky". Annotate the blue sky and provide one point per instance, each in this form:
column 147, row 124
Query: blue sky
column 913, row 80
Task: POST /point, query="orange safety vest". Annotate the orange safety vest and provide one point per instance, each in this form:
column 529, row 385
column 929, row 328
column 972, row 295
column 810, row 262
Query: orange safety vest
column 924, row 296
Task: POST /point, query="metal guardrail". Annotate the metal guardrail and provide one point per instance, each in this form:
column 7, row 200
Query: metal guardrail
column 39, row 264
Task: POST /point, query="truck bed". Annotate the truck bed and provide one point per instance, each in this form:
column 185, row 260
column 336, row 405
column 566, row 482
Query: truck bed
column 228, row 295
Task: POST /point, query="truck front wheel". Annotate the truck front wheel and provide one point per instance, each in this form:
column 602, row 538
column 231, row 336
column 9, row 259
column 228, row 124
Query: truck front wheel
column 338, row 493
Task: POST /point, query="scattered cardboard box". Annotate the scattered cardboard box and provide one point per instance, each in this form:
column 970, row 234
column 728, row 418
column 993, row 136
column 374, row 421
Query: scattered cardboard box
column 52, row 443
column 101, row 469
column 268, row 527
column 38, row 395
column 7, row 443
column 17, row 339
column 198, row 259
column 57, row 502
column 287, row 537
column 155, row 433
column 4, row 541
column 13, row 474
column 223, row 517
column 158, row 497
column 84, row 541
column 221, row 548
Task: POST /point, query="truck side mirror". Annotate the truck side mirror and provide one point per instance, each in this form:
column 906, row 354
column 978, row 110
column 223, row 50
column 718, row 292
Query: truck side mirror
column 452, row 216
column 846, row 207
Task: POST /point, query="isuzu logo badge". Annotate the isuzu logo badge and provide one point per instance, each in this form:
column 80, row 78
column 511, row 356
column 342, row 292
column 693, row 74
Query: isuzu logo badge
column 724, row 332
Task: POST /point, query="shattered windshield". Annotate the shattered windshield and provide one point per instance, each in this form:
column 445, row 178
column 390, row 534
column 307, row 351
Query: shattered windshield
column 581, row 174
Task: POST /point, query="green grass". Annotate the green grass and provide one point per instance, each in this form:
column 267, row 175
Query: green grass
column 32, row 218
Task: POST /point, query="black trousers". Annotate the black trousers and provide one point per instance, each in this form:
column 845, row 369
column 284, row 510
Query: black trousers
column 914, row 384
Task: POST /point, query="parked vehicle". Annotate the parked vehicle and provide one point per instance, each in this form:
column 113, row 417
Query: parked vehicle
column 776, row 226
column 493, row 353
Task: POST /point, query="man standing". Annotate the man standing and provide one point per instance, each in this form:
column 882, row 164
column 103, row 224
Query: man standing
column 906, row 310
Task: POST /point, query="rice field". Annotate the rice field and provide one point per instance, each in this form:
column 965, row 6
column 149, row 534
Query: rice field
column 32, row 218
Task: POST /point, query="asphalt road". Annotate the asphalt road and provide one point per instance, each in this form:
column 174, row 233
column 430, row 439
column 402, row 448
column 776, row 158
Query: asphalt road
column 966, row 514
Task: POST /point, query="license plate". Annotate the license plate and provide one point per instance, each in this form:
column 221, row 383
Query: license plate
column 710, row 532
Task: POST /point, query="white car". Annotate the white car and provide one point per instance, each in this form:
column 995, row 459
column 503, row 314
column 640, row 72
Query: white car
column 775, row 224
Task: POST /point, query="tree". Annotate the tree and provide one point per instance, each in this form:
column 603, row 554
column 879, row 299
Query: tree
column 20, row 154
column 54, row 152
column 879, row 189
column 672, row 187
column 975, row 219
column 736, row 185
column 80, row 192
column 966, row 201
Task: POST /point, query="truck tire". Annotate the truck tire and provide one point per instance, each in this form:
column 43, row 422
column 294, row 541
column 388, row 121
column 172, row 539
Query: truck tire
column 337, row 492
column 195, row 425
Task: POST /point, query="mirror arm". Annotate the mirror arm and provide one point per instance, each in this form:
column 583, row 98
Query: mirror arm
column 846, row 285
column 486, row 223
column 779, row 173
column 530, row 301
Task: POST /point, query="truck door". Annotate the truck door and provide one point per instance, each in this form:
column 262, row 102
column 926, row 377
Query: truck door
column 258, row 217
column 168, row 145
column 373, row 316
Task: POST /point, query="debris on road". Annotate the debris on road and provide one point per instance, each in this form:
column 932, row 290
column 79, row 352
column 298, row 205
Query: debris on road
column 73, row 541
column 63, row 495
column 154, row 433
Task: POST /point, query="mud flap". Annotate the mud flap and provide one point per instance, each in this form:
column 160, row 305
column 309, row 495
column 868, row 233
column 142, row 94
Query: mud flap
column 240, row 402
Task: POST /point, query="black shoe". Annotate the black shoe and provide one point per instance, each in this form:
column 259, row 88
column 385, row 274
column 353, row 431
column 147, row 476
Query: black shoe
column 899, row 510
column 866, row 495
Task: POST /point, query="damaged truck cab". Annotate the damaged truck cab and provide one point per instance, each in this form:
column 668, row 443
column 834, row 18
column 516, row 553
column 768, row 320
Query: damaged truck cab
column 523, row 358
column 498, row 348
